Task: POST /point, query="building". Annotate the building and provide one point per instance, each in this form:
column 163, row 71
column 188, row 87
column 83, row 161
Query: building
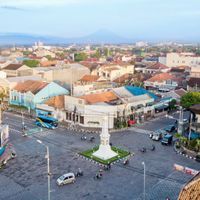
column 67, row 73
column 9, row 83
column 113, row 71
column 162, row 82
column 195, row 120
column 52, row 107
column 30, row 93
column 191, row 191
column 179, row 59
column 175, row 94
column 193, row 84
column 156, row 68
column 119, row 104
column 195, row 72
column 14, row 70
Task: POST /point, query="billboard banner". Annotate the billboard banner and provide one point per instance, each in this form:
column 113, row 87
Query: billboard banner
column 4, row 135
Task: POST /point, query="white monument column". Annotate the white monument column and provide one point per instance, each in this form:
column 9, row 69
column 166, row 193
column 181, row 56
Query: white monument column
column 105, row 152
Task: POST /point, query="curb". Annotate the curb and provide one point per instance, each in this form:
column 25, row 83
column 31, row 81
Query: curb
column 185, row 155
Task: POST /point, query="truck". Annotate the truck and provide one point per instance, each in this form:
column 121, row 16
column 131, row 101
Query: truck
column 167, row 139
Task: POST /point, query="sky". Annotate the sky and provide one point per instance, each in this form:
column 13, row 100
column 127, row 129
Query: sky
column 142, row 19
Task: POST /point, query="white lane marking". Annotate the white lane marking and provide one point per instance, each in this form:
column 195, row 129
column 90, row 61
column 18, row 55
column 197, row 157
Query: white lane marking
column 139, row 130
column 14, row 130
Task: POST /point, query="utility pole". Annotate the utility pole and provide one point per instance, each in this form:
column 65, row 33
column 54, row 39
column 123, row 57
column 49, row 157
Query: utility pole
column 0, row 115
column 180, row 122
column 48, row 168
column 190, row 126
column 144, row 191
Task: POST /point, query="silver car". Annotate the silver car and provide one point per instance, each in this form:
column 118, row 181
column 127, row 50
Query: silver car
column 66, row 178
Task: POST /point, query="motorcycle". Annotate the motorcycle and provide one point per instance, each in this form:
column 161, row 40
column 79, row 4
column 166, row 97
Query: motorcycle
column 83, row 138
column 126, row 162
column 143, row 150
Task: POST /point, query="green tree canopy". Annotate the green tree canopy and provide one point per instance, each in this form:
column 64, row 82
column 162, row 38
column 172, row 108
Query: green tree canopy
column 31, row 63
column 190, row 99
column 80, row 57
column 48, row 57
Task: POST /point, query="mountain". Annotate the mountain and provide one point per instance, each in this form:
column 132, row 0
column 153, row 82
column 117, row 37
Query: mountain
column 99, row 37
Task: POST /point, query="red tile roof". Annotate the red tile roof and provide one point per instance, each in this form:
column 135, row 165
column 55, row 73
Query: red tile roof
column 161, row 77
column 102, row 97
column 89, row 78
column 30, row 85
column 56, row 102
column 158, row 66
column 123, row 78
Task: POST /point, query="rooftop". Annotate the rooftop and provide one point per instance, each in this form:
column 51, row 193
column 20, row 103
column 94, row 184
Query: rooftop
column 161, row 77
column 56, row 102
column 137, row 91
column 89, row 78
column 13, row 67
column 30, row 86
column 194, row 81
column 158, row 66
column 102, row 97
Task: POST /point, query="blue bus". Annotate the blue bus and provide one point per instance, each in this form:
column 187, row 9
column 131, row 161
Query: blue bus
column 46, row 121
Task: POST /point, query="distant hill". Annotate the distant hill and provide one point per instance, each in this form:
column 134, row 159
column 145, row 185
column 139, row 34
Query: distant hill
column 101, row 36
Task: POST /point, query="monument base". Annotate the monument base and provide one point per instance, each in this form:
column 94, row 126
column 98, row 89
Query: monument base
column 104, row 152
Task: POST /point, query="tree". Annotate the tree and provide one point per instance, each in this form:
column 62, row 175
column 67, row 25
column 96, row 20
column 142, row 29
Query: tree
column 172, row 104
column 80, row 57
column 31, row 63
column 197, row 145
column 49, row 57
column 2, row 96
column 190, row 99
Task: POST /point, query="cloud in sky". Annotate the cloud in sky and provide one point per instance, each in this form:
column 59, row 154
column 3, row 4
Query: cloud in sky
column 11, row 8
column 37, row 3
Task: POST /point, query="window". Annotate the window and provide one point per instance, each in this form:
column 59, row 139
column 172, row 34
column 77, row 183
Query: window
column 67, row 115
column 81, row 119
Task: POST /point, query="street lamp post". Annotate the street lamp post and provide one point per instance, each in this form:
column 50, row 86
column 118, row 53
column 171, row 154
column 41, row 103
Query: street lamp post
column 190, row 126
column 0, row 115
column 22, row 120
column 180, row 123
column 48, row 168
column 144, row 192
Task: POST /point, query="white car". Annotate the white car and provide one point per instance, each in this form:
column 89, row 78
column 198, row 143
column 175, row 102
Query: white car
column 66, row 178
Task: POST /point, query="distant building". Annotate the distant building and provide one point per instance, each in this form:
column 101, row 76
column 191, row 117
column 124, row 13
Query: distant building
column 195, row 72
column 112, row 71
column 180, row 59
column 14, row 70
column 175, row 94
column 67, row 73
column 193, row 84
column 155, row 68
column 141, row 44
column 161, row 82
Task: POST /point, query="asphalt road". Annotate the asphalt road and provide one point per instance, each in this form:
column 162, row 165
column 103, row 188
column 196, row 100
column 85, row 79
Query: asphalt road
column 25, row 177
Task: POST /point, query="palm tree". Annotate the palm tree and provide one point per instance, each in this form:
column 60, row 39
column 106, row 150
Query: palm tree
column 197, row 145
column 2, row 96
column 183, row 140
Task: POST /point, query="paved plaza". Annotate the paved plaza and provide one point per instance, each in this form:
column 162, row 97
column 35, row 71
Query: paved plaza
column 25, row 177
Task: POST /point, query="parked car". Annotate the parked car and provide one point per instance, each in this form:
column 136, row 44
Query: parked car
column 167, row 139
column 170, row 128
column 66, row 178
column 157, row 135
